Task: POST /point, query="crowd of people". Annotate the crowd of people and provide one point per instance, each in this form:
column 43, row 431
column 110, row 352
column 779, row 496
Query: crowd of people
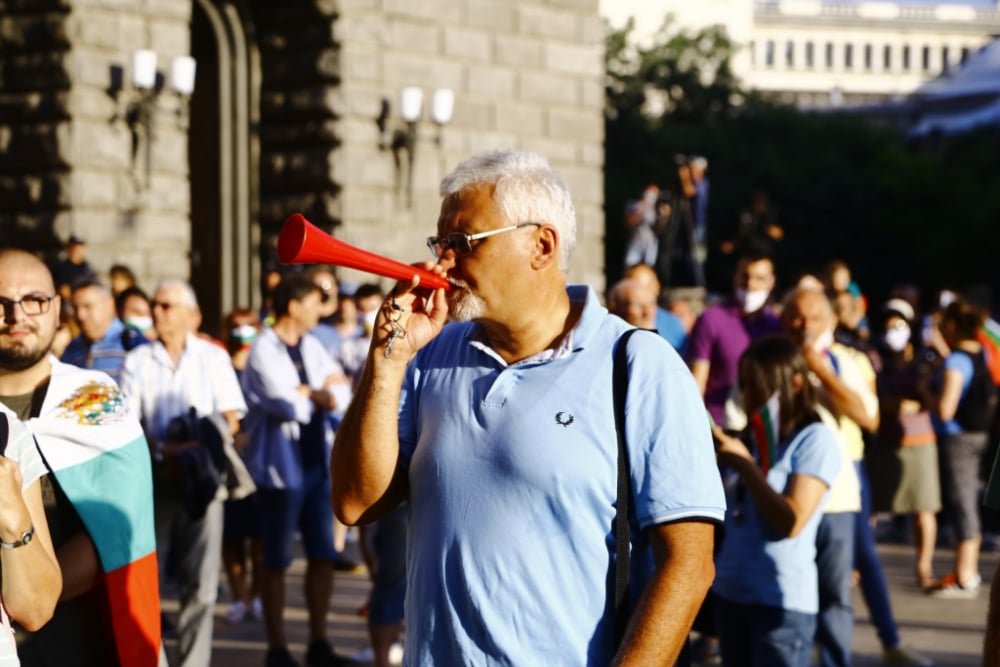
column 471, row 433
column 236, row 433
column 910, row 396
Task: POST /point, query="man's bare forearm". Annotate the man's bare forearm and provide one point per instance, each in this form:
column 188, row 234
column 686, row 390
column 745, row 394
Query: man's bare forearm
column 661, row 621
column 846, row 400
column 366, row 451
column 32, row 581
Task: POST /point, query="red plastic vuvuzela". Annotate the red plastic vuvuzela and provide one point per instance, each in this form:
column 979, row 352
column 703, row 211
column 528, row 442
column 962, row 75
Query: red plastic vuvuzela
column 301, row 242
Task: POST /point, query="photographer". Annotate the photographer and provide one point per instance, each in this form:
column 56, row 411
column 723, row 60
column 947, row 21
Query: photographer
column 675, row 228
column 641, row 219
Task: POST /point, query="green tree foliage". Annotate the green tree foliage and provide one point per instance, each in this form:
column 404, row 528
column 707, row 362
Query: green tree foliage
column 842, row 186
column 686, row 75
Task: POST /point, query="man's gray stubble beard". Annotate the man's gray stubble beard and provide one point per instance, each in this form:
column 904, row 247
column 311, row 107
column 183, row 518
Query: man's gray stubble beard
column 465, row 306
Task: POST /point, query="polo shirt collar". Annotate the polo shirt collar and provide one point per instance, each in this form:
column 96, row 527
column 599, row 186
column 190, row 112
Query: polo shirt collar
column 161, row 355
column 115, row 330
column 588, row 324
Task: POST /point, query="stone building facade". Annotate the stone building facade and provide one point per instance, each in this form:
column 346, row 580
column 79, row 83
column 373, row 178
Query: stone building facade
column 824, row 53
column 282, row 119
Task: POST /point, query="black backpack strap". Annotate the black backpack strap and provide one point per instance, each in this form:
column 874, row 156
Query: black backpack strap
column 977, row 407
column 622, row 532
column 4, row 433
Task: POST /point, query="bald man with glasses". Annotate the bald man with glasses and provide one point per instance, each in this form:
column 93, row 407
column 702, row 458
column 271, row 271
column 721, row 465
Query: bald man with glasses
column 499, row 430
column 96, row 487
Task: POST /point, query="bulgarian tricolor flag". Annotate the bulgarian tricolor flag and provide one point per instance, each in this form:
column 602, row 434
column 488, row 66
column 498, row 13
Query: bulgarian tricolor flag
column 989, row 336
column 97, row 451
column 764, row 424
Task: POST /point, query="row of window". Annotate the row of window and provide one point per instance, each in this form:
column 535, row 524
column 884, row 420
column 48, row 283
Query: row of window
column 866, row 56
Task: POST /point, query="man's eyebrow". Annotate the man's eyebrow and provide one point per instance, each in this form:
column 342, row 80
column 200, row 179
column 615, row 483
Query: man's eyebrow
column 37, row 293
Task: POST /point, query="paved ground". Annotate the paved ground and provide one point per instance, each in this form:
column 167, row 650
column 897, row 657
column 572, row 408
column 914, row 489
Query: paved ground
column 949, row 631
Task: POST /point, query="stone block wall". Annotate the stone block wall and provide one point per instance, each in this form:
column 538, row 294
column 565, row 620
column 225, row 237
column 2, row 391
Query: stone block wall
column 35, row 76
column 131, row 204
column 69, row 162
column 527, row 74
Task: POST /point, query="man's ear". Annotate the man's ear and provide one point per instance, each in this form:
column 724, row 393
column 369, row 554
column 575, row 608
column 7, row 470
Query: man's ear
column 546, row 247
column 56, row 307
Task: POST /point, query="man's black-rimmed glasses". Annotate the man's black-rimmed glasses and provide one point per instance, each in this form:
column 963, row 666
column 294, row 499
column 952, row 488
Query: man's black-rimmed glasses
column 33, row 305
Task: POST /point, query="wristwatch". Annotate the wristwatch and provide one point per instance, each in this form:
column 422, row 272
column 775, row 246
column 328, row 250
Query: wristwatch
column 26, row 538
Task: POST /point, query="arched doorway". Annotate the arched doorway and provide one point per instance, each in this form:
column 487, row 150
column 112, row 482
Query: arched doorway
column 223, row 160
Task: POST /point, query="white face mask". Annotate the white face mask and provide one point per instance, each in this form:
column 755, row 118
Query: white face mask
column 753, row 300
column 140, row 323
column 823, row 341
column 245, row 333
column 897, row 337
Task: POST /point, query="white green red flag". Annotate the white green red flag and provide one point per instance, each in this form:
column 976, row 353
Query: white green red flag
column 764, row 425
column 97, row 451
column 989, row 336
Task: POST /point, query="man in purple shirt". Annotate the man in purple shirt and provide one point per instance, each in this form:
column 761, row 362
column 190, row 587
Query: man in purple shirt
column 724, row 331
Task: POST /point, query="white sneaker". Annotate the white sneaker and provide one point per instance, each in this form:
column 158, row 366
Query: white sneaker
column 236, row 613
column 949, row 588
column 396, row 654
column 256, row 609
column 367, row 654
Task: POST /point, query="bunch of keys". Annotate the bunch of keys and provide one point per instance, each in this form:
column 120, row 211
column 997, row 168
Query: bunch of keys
column 395, row 314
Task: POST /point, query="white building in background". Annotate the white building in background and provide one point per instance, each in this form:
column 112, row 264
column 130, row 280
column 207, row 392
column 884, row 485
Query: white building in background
column 819, row 54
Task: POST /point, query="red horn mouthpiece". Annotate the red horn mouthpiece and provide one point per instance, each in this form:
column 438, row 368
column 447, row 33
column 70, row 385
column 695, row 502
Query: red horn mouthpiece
column 301, row 242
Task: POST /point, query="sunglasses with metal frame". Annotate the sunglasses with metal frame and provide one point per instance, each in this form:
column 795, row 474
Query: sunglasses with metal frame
column 461, row 243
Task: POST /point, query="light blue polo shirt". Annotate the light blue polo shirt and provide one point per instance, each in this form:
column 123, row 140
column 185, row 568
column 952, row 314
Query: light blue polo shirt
column 755, row 566
column 512, row 475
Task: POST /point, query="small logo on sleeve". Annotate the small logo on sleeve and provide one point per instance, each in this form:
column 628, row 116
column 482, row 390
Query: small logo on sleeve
column 564, row 419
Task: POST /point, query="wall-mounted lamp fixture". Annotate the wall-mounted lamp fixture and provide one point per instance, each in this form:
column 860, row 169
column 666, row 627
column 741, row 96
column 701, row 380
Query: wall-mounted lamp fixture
column 136, row 103
column 411, row 107
column 182, row 71
column 411, row 104
column 144, row 69
column 442, row 108
column 404, row 137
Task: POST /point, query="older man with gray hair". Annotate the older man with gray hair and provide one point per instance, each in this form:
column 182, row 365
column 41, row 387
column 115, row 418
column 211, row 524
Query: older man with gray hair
column 166, row 379
column 499, row 429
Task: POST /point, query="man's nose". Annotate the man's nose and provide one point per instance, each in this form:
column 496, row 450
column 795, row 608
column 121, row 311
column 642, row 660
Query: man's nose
column 448, row 259
column 13, row 313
